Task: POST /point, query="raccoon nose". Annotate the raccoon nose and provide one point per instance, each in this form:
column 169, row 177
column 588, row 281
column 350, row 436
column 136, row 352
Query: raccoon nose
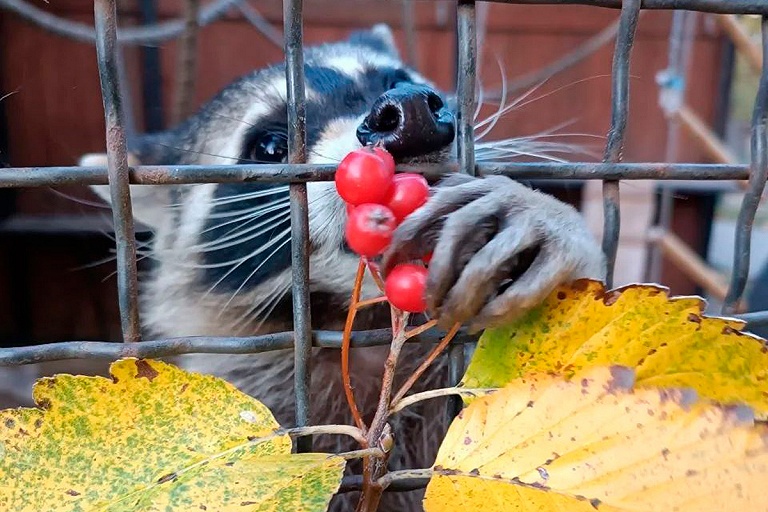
column 409, row 120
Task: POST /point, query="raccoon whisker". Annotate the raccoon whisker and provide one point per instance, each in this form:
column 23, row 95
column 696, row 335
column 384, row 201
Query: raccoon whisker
column 238, row 238
column 502, row 104
column 530, row 148
column 8, row 95
column 236, row 233
column 197, row 152
column 518, row 103
column 246, row 258
column 247, row 213
column 245, row 281
column 559, row 89
column 263, row 312
column 547, row 139
column 517, row 154
column 480, row 102
column 535, row 146
column 244, row 196
column 93, row 264
column 511, row 106
column 114, row 272
column 551, row 135
column 77, row 200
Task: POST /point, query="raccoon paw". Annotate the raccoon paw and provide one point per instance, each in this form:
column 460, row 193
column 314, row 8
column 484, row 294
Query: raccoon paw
column 499, row 248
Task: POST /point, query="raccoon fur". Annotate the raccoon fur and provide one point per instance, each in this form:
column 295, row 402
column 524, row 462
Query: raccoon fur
column 221, row 253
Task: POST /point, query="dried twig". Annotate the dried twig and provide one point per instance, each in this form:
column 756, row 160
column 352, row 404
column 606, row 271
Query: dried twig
column 425, row 364
column 345, row 378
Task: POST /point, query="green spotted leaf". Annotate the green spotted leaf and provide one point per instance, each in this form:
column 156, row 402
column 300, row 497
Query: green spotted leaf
column 154, row 438
column 667, row 340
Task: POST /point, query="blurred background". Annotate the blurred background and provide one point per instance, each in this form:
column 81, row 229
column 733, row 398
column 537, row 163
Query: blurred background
column 57, row 277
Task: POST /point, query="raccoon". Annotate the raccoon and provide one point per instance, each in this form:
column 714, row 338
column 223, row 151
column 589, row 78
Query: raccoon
column 221, row 253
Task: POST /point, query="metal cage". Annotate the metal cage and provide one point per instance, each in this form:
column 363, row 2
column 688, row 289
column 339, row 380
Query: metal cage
column 297, row 173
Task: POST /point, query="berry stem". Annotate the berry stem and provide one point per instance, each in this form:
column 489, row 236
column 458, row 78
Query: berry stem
column 370, row 302
column 373, row 269
column 420, row 329
column 345, row 341
column 437, row 393
column 425, row 364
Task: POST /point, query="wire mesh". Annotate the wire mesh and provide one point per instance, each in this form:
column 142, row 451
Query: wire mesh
column 297, row 173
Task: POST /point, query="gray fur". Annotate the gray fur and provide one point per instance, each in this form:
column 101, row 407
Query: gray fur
column 482, row 223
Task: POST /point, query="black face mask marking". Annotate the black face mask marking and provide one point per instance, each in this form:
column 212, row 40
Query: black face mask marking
column 245, row 241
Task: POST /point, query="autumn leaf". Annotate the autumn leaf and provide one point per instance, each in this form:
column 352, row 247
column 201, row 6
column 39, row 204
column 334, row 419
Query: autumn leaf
column 154, row 438
column 594, row 442
column 667, row 340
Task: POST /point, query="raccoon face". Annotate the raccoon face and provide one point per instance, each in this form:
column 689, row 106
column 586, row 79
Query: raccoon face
column 222, row 253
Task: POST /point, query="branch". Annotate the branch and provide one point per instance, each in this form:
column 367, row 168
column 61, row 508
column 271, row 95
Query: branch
column 394, row 477
column 345, row 341
column 379, row 434
column 436, row 393
column 344, row 430
column 425, row 364
column 360, row 454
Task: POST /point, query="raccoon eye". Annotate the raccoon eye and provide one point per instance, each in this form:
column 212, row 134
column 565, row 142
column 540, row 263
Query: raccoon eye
column 268, row 147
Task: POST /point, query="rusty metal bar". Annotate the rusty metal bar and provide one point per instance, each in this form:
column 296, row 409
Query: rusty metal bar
column 297, row 154
column 172, row 29
column 22, row 177
column 466, row 82
column 205, row 345
column 105, row 13
column 630, row 12
column 715, row 6
column 758, row 175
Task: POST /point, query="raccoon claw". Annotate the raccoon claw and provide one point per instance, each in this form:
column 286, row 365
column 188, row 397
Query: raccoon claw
column 498, row 247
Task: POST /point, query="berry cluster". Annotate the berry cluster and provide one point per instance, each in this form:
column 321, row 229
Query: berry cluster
column 377, row 201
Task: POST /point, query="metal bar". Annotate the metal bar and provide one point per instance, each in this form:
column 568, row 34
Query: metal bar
column 715, row 6
column 172, row 29
column 205, row 345
column 105, row 14
column 466, row 83
column 758, row 175
column 755, row 319
column 297, row 153
column 22, row 177
column 619, row 109
column 411, row 39
column 680, row 47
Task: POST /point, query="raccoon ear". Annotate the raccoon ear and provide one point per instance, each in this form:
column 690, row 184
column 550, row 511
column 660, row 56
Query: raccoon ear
column 147, row 201
column 379, row 37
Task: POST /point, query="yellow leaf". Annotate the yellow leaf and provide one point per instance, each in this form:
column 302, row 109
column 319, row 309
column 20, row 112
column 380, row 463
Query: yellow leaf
column 154, row 438
column 544, row 443
column 667, row 340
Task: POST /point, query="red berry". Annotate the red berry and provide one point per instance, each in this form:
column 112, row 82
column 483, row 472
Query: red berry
column 364, row 177
column 405, row 286
column 409, row 192
column 369, row 229
column 386, row 156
